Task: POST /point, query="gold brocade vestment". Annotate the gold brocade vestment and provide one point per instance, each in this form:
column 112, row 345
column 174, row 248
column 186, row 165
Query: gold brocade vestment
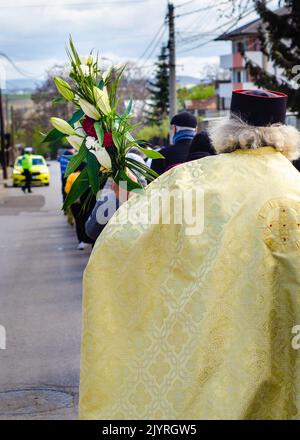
column 199, row 327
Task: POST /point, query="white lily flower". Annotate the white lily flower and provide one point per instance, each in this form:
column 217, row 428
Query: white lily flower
column 75, row 141
column 90, row 142
column 89, row 61
column 102, row 99
column 103, row 157
column 89, row 109
column 85, row 69
column 79, row 130
column 100, row 152
column 62, row 126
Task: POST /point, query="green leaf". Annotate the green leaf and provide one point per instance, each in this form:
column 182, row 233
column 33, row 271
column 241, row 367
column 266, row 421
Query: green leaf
column 57, row 100
column 53, row 135
column 129, row 108
column 117, row 138
column 86, row 203
column 93, row 168
column 76, row 117
column 101, row 84
column 142, row 166
column 74, row 51
column 80, row 185
column 131, row 185
column 99, row 131
column 137, row 169
column 130, row 137
column 152, row 154
column 76, row 160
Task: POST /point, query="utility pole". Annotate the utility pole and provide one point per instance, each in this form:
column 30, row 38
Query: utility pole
column 172, row 61
column 264, row 56
column 12, row 129
column 2, row 139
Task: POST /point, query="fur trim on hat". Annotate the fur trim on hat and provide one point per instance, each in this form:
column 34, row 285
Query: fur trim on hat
column 231, row 133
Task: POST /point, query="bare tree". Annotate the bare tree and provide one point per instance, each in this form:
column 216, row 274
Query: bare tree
column 134, row 85
column 29, row 125
column 212, row 73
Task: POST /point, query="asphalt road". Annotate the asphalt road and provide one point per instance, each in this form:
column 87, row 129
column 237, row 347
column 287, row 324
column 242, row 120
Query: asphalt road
column 40, row 305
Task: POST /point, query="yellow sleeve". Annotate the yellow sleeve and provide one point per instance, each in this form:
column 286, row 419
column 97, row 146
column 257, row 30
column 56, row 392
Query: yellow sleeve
column 70, row 180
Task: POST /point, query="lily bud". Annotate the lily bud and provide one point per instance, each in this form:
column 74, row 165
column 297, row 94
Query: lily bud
column 64, row 89
column 75, row 141
column 62, row 126
column 88, row 109
column 102, row 99
column 90, row 60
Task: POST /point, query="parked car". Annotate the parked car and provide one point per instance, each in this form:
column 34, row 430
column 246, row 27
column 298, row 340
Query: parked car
column 40, row 171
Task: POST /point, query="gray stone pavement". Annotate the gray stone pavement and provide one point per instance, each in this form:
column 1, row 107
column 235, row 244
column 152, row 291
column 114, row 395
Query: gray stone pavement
column 40, row 305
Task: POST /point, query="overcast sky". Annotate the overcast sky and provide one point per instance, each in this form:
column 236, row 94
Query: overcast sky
column 33, row 33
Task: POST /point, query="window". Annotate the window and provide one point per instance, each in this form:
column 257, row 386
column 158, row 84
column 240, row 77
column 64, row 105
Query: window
column 35, row 161
column 240, row 47
column 246, row 75
column 38, row 161
column 237, row 76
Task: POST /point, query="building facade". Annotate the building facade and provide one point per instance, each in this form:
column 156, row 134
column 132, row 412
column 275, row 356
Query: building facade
column 244, row 40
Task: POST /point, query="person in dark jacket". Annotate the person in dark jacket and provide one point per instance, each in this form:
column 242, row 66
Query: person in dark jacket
column 80, row 209
column 183, row 131
column 200, row 147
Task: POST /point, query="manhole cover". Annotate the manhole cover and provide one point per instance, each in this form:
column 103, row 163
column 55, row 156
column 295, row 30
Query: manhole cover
column 30, row 401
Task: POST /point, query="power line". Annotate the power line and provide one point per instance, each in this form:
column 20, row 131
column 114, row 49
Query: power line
column 155, row 47
column 184, row 4
column 105, row 2
column 211, row 39
column 206, row 8
column 152, row 41
column 204, row 19
column 25, row 74
column 235, row 21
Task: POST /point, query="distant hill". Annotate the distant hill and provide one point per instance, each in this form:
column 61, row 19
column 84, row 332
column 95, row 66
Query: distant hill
column 28, row 85
column 21, row 85
column 185, row 80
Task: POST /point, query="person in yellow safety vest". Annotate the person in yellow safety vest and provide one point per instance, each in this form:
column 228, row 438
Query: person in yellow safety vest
column 26, row 163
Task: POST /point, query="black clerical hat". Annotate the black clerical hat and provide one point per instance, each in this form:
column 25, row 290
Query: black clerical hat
column 259, row 107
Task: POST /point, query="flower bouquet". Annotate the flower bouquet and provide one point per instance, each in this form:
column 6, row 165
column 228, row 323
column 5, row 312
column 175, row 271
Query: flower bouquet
column 101, row 136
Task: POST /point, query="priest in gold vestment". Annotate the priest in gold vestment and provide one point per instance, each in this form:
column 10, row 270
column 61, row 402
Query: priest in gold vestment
column 200, row 323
